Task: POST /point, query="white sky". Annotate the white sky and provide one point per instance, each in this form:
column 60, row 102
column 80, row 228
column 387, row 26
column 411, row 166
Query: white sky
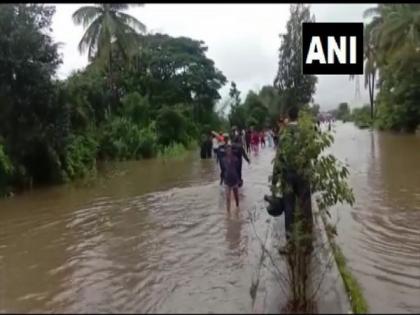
column 243, row 40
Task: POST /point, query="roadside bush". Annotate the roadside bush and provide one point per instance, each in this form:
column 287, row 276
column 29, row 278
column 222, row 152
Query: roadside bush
column 137, row 108
column 172, row 151
column 6, row 170
column 122, row 139
column 397, row 117
column 80, row 156
column 171, row 127
column 148, row 140
column 361, row 117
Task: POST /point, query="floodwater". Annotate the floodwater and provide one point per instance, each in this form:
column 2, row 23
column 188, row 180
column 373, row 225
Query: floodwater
column 154, row 236
column 146, row 236
column 380, row 235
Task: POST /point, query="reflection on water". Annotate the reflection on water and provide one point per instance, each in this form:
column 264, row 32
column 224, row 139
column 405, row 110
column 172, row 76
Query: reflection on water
column 148, row 236
column 381, row 235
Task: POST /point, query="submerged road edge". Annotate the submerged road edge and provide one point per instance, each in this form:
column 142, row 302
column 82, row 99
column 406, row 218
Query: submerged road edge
column 332, row 296
column 325, row 277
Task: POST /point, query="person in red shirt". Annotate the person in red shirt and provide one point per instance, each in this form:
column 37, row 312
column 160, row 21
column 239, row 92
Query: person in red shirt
column 255, row 141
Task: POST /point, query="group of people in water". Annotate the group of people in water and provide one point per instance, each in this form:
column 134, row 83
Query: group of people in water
column 230, row 149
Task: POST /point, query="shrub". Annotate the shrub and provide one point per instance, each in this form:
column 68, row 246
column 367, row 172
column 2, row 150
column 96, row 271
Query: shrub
column 137, row 108
column 148, row 142
column 80, row 156
column 172, row 151
column 6, row 170
column 361, row 117
column 121, row 138
column 171, row 126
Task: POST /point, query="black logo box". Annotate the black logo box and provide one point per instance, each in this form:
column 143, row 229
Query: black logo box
column 323, row 30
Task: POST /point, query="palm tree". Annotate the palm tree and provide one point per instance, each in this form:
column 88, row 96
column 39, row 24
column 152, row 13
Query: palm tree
column 106, row 27
column 400, row 34
column 371, row 38
column 392, row 38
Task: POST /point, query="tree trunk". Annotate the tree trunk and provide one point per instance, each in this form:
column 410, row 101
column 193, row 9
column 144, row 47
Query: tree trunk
column 114, row 96
column 371, row 92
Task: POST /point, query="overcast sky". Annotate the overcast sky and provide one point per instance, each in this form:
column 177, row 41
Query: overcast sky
column 242, row 39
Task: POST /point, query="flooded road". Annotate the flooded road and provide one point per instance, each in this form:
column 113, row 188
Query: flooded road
column 380, row 236
column 154, row 236
column 147, row 236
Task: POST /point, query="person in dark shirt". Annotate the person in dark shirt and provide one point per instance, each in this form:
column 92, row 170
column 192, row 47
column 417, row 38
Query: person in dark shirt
column 206, row 146
column 203, row 147
column 231, row 176
column 239, row 152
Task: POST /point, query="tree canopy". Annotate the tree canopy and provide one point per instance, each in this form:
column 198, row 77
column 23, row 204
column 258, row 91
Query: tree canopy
column 293, row 85
column 394, row 41
column 51, row 130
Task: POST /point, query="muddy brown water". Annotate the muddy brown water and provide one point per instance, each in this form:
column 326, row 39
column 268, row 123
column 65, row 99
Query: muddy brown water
column 154, row 236
column 380, row 235
column 146, row 236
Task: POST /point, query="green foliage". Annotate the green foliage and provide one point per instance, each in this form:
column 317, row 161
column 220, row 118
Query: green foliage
column 121, row 138
column 398, row 107
column 148, row 139
column 137, row 108
column 174, row 150
column 296, row 88
column 361, row 117
column 80, row 156
column 88, row 97
column 6, row 170
column 315, row 110
column 30, row 118
column 171, row 126
column 343, row 112
column 352, row 286
column 237, row 115
column 105, row 22
column 171, row 71
column 157, row 94
column 394, row 40
column 302, row 150
column 258, row 110
column 274, row 102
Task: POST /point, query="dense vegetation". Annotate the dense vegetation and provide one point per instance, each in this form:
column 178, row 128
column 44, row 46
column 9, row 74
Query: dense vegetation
column 143, row 95
column 140, row 96
column 361, row 116
column 392, row 64
column 262, row 109
column 343, row 112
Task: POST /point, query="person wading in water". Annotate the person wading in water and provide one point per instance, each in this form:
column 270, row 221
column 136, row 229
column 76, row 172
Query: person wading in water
column 239, row 151
column 221, row 151
column 231, row 176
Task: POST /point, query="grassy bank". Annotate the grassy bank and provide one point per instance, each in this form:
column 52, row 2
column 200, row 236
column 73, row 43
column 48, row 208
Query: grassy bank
column 176, row 151
column 353, row 288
